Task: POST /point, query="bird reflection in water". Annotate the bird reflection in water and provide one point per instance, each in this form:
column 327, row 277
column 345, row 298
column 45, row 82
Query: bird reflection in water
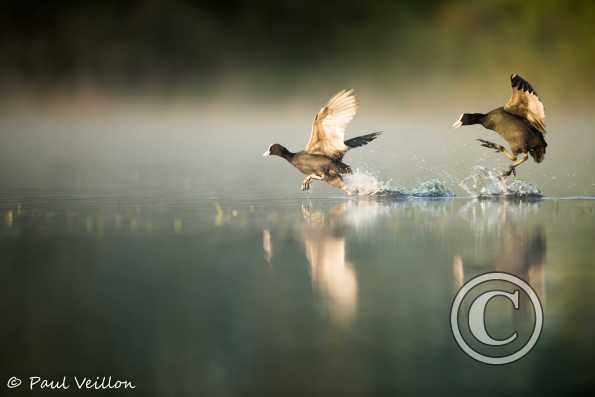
column 520, row 248
column 267, row 245
column 333, row 276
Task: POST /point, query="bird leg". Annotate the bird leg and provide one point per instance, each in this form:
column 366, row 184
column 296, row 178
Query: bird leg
column 497, row 148
column 338, row 182
column 308, row 181
column 512, row 168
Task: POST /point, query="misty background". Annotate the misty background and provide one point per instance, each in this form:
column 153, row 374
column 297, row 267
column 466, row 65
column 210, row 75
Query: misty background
column 101, row 96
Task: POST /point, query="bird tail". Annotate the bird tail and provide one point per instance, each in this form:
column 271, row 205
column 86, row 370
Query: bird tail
column 346, row 170
column 468, row 119
column 362, row 140
column 538, row 152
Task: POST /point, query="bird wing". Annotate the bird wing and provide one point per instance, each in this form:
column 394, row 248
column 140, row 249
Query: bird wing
column 525, row 103
column 328, row 129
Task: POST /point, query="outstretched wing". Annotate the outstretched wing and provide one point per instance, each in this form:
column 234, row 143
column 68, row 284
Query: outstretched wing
column 525, row 103
column 328, row 129
column 362, row 140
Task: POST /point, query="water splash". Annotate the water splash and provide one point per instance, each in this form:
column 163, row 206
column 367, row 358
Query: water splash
column 485, row 183
column 366, row 183
column 432, row 188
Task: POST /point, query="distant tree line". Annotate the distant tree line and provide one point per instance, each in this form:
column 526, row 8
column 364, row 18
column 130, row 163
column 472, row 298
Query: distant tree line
column 182, row 45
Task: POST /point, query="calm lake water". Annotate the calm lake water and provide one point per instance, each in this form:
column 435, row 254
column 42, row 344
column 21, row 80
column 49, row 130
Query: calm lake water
column 186, row 294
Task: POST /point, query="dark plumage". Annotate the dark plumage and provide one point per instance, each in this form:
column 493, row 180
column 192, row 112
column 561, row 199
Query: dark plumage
column 327, row 168
column 322, row 158
column 520, row 122
column 362, row 140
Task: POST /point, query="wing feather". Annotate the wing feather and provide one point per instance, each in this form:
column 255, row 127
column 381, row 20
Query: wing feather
column 525, row 103
column 328, row 129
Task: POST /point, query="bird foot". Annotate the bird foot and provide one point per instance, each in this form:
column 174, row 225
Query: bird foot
column 511, row 171
column 492, row 145
column 306, row 185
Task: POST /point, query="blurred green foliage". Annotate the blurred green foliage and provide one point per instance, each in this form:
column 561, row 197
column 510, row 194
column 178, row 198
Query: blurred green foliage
column 278, row 45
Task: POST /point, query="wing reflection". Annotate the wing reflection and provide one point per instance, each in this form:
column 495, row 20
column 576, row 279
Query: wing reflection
column 267, row 246
column 332, row 275
column 501, row 227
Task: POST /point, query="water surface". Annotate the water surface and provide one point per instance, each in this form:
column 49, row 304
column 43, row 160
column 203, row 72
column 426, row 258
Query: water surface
column 188, row 294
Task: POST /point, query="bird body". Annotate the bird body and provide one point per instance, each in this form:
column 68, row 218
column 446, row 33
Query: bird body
column 516, row 131
column 308, row 163
column 322, row 158
column 520, row 122
column 314, row 163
